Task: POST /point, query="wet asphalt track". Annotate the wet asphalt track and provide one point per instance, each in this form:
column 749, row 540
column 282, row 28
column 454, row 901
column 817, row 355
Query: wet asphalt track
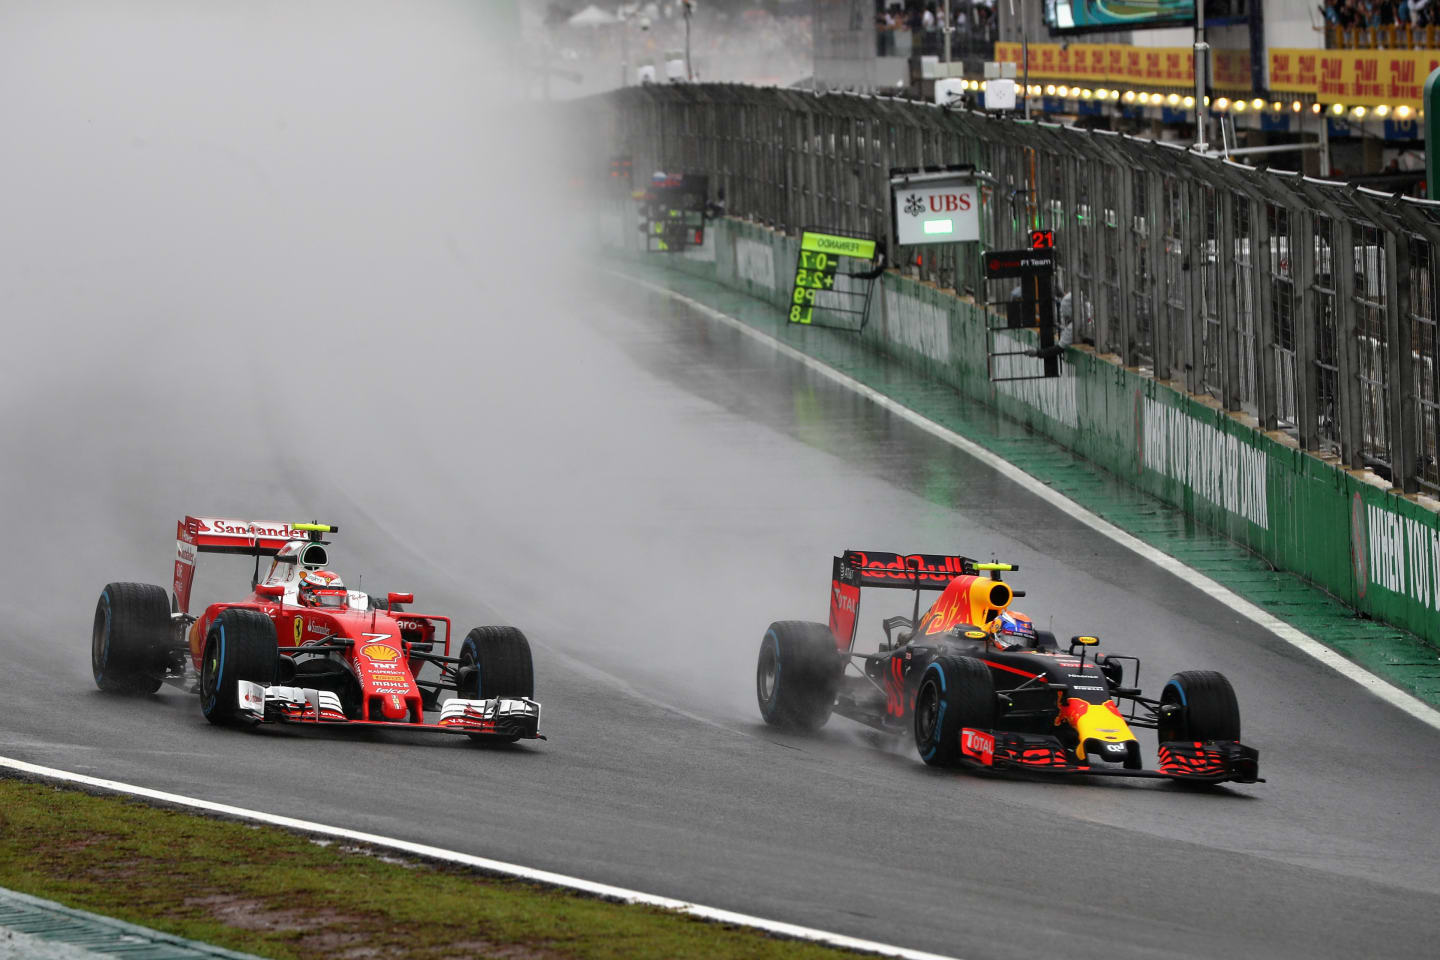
column 644, row 537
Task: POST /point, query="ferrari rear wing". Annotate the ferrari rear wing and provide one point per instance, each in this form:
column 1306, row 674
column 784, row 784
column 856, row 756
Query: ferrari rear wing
column 197, row 535
column 855, row 569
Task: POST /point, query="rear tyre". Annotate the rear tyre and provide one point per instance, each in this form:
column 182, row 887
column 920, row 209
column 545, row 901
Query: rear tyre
column 496, row 662
column 797, row 675
column 240, row 645
column 1207, row 708
column 130, row 639
column 954, row 693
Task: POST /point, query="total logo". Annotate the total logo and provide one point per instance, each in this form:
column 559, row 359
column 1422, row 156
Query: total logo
column 978, row 744
column 843, row 602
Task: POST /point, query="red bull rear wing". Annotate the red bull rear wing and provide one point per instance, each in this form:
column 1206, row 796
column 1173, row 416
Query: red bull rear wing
column 855, row 569
column 908, row 571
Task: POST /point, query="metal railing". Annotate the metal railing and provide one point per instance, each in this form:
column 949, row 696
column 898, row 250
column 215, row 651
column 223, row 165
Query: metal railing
column 1306, row 304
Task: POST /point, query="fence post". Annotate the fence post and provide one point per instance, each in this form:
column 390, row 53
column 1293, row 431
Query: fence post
column 1195, row 316
column 1228, row 352
column 1262, row 302
column 1347, row 380
column 1124, row 238
column 1401, row 372
column 1104, row 310
column 1307, row 387
column 1161, row 336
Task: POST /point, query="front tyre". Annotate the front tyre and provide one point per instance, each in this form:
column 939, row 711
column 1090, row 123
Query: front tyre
column 1198, row 705
column 797, row 674
column 954, row 693
column 130, row 638
column 240, row 645
column 496, row 662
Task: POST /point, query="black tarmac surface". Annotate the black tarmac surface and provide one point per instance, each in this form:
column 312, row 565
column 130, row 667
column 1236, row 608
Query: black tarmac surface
column 643, row 500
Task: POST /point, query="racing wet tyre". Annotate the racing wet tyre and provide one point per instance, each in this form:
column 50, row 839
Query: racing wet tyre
column 495, row 662
column 954, row 693
column 798, row 674
column 499, row 658
column 131, row 637
column 1207, row 710
column 240, row 645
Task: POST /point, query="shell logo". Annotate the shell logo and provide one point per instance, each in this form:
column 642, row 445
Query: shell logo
column 380, row 652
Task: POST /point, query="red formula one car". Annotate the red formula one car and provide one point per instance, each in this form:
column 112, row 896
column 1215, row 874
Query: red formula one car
column 304, row 649
column 979, row 686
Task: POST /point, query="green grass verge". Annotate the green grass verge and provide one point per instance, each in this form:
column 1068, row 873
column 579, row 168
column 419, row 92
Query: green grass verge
column 279, row 894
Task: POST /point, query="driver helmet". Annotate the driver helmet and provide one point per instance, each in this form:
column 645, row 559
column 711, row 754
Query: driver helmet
column 321, row 588
column 1015, row 629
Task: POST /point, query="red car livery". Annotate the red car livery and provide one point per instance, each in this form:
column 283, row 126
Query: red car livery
column 302, row 649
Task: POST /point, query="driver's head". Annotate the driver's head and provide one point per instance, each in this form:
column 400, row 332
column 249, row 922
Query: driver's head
column 321, row 588
column 1016, row 630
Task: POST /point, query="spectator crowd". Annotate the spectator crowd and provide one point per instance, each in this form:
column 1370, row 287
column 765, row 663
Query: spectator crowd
column 1347, row 14
column 973, row 25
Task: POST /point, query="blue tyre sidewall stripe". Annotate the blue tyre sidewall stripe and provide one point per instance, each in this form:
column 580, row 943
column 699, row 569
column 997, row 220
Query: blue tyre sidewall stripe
column 937, row 734
column 474, row 649
column 219, row 670
column 1184, row 702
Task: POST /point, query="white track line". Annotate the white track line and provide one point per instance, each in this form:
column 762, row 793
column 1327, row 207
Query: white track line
column 482, row 864
column 1381, row 688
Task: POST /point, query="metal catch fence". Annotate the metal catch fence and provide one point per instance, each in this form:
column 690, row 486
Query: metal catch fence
column 1306, row 304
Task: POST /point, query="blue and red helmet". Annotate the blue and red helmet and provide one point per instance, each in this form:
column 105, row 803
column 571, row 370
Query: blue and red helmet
column 1016, row 627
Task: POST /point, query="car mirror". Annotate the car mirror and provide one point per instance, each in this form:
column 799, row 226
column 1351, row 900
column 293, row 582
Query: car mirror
column 393, row 598
column 274, row 590
column 1083, row 642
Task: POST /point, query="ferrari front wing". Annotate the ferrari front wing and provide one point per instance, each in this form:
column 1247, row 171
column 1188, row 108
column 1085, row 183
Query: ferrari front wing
column 498, row 716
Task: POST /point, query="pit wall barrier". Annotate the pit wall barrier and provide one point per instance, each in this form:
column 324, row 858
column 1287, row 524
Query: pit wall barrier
column 1373, row 549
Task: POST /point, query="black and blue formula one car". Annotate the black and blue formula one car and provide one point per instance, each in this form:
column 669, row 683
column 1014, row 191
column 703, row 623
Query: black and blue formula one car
column 980, row 687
